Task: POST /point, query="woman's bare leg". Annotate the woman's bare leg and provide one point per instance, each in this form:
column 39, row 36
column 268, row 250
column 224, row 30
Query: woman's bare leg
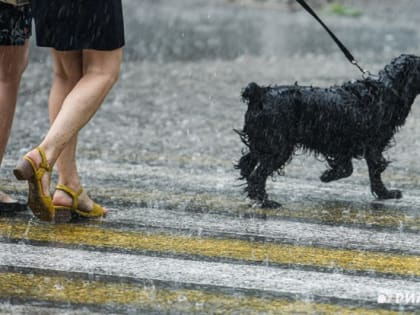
column 13, row 61
column 100, row 72
column 68, row 70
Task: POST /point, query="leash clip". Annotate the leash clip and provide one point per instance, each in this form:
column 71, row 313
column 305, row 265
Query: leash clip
column 365, row 73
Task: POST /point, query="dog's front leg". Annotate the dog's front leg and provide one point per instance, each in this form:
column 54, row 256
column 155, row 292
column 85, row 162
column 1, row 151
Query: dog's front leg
column 256, row 187
column 376, row 165
column 341, row 167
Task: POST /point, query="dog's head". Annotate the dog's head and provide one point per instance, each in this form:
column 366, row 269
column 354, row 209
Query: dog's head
column 403, row 74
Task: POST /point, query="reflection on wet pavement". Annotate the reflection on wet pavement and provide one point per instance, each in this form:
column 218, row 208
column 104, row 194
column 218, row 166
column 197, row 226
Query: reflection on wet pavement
column 181, row 238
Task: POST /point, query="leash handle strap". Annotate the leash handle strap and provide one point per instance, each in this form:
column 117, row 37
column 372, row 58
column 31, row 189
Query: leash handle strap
column 343, row 48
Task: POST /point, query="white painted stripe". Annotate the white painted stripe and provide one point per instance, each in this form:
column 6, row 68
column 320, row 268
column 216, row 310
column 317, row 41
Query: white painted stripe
column 297, row 233
column 305, row 284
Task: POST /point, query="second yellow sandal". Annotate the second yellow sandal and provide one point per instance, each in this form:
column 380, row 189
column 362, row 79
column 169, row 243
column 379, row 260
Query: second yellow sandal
column 26, row 169
column 96, row 212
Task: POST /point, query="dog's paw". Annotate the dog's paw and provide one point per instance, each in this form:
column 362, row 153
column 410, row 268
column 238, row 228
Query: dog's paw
column 390, row 194
column 270, row 204
column 327, row 176
column 335, row 174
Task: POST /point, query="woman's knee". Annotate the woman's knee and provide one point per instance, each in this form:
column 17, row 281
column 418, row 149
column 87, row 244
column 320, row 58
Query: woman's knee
column 66, row 76
column 113, row 75
column 106, row 64
column 13, row 62
column 109, row 75
column 67, row 65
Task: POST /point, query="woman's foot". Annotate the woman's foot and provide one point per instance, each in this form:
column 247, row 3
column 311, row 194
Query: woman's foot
column 65, row 197
column 10, row 204
column 35, row 168
column 5, row 198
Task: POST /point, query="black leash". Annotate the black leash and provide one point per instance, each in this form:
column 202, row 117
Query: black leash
column 343, row 48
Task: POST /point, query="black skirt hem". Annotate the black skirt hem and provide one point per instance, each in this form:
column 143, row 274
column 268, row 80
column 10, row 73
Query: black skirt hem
column 78, row 48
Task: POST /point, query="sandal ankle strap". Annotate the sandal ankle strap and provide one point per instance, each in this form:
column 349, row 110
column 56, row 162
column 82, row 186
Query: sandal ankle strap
column 44, row 163
column 73, row 194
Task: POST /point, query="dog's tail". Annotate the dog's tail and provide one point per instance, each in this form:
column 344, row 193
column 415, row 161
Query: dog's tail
column 252, row 95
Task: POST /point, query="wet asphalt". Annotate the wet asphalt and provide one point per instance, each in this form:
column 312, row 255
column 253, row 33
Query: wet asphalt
column 181, row 238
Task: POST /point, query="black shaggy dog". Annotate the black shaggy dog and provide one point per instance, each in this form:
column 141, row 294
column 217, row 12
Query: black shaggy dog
column 355, row 120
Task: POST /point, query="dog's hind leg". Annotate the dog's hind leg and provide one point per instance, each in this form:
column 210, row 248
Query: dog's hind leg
column 246, row 165
column 258, row 178
column 376, row 165
column 256, row 186
column 340, row 168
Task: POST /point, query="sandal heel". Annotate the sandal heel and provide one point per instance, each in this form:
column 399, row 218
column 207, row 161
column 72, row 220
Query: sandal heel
column 39, row 201
column 23, row 170
column 63, row 215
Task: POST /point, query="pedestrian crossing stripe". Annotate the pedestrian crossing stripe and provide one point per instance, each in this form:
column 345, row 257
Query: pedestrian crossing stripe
column 59, row 290
column 211, row 248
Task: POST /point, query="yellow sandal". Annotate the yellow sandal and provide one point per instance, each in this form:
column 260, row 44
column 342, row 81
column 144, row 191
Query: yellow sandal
column 62, row 211
column 26, row 169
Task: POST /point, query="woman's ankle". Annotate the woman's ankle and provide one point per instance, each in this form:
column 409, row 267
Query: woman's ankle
column 37, row 157
column 72, row 182
column 61, row 198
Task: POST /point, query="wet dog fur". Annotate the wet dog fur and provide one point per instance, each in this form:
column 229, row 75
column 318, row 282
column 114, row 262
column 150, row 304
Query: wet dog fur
column 356, row 120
